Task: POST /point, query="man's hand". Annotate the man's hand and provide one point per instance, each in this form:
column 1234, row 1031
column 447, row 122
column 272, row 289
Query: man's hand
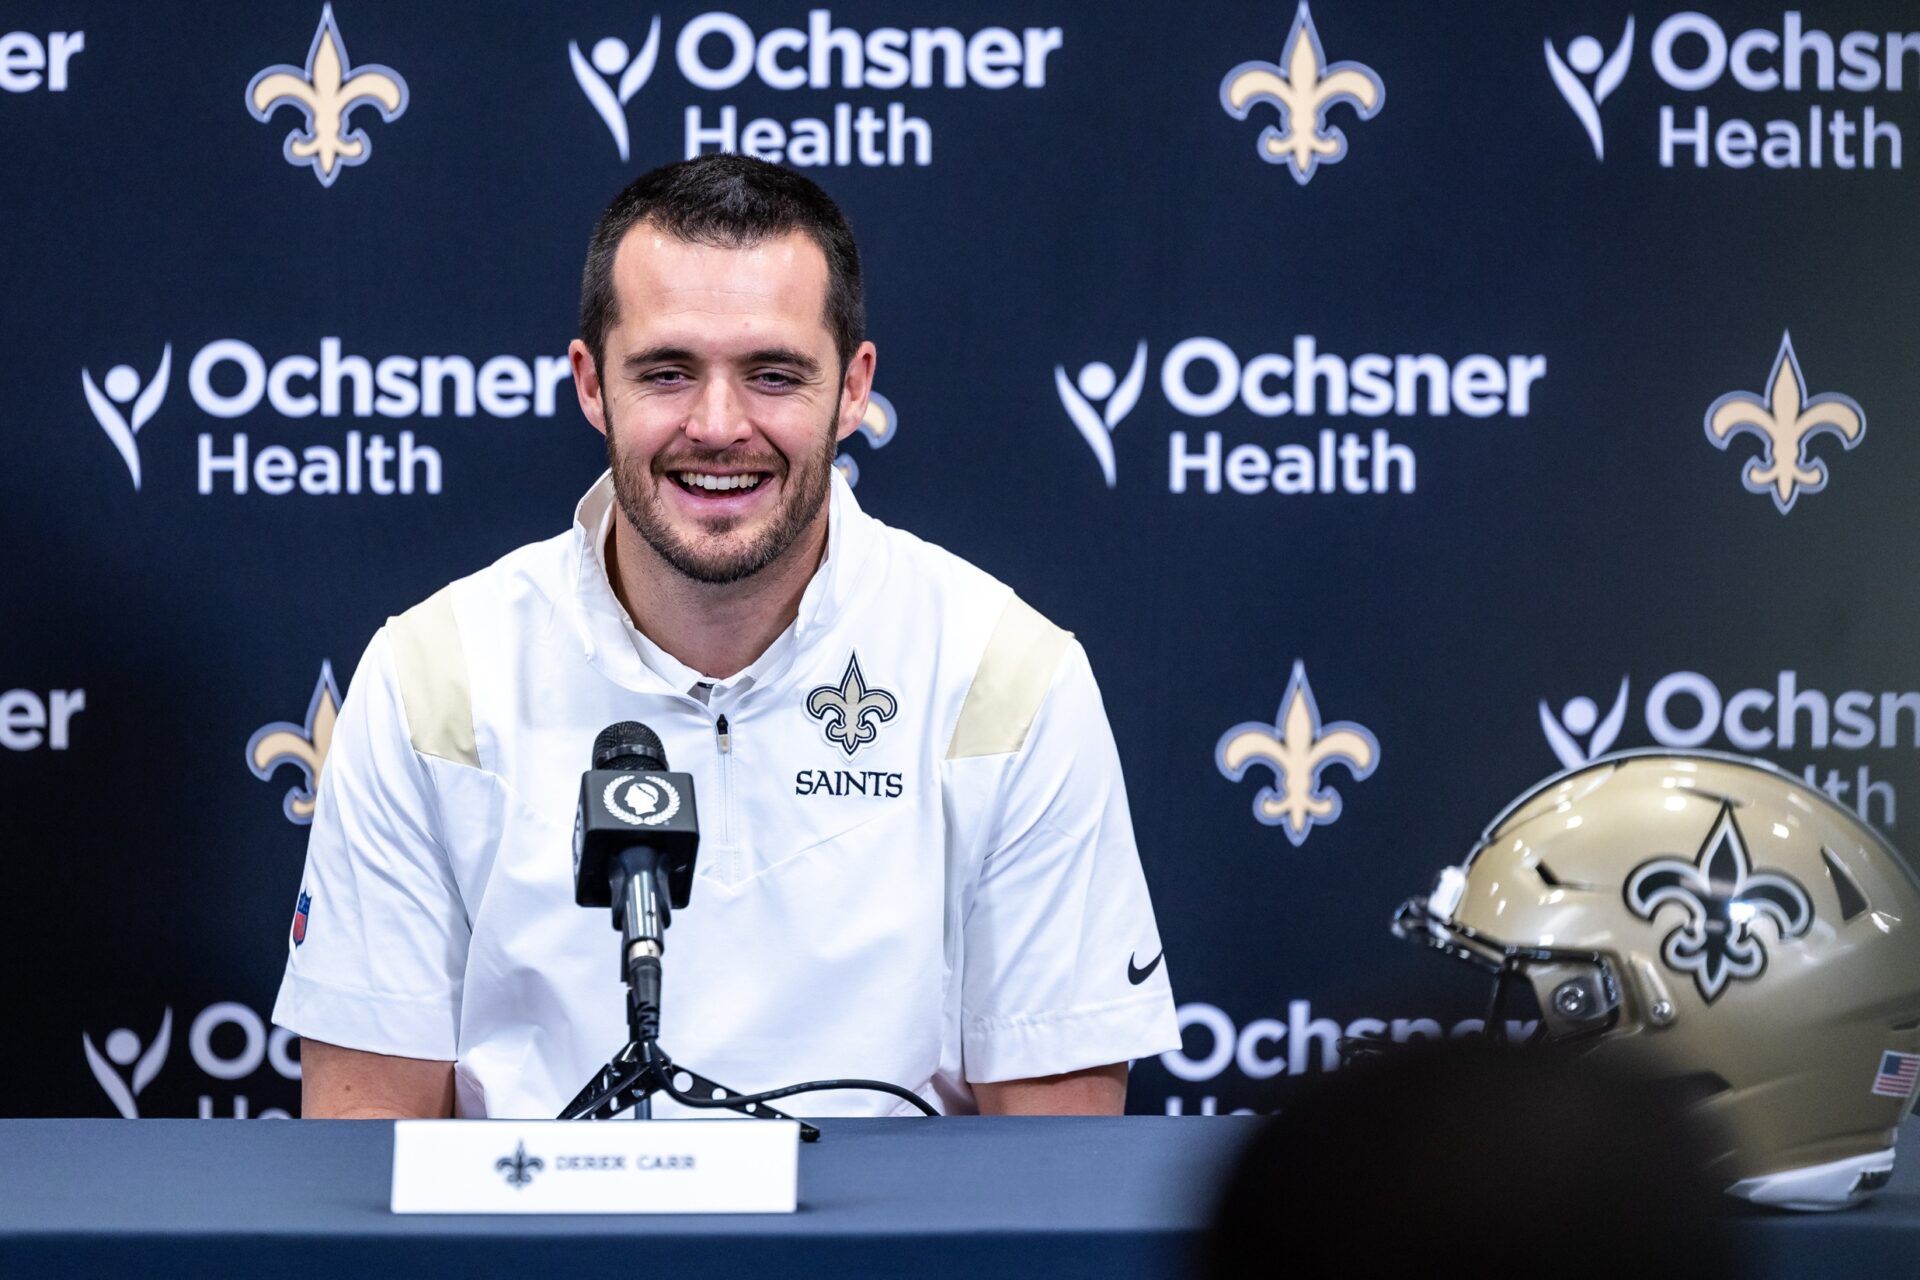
column 1096, row 1091
column 351, row 1084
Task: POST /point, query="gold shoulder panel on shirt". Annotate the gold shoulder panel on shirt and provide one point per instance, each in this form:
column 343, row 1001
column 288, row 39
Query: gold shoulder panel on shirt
column 431, row 666
column 1012, row 681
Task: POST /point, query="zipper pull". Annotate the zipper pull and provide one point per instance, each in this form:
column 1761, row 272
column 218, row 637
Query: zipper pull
column 721, row 732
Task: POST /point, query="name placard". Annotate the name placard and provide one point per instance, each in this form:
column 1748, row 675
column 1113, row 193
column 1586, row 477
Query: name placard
column 564, row 1166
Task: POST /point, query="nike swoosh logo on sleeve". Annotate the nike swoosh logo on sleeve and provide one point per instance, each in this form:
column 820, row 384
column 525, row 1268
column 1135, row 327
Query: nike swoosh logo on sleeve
column 1136, row 975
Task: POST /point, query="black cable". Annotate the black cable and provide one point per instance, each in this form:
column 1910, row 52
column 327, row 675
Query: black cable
column 812, row 1086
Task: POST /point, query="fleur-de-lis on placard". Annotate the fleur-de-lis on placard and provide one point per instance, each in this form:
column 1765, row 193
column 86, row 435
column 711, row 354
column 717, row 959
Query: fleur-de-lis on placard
column 1297, row 754
column 326, row 90
column 1786, row 421
column 1721, row 896
column 1303, row 92
column 851, row 714
column 519, row 1167
column 302, row 745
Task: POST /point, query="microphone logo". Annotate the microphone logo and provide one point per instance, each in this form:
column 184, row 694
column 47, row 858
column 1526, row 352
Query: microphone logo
column 641, row 802
column 1585, row 58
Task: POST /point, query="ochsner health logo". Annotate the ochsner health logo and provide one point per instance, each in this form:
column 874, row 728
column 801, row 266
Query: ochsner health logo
column 1097, row 385
column 1779, row 721
column 612, row 62
column 717, row 52
column 230, row 378
column 1711, row 71
column 1205, row 378
column 122, row 390
column 1587, row 76
column 227, row 1042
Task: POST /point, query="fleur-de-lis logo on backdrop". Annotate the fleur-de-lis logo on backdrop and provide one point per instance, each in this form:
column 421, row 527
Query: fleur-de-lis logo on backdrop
column 1297, row 747
column 302, row 745
column 851, row 714
column 1786, row 420
column 1303, row 92
column 878, row 425
column 1097, row 384
column 326, row 91
column 519, row 1168
column 1720, row 896
column 121, row 386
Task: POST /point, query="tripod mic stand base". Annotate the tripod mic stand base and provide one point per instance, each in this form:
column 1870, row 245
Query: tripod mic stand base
column 639, row 1071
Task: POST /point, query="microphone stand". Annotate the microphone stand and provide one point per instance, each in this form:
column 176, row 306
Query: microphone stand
column 641, row 1069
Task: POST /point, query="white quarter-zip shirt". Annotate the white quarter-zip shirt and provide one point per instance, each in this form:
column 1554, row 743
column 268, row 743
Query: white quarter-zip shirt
column 915, row 864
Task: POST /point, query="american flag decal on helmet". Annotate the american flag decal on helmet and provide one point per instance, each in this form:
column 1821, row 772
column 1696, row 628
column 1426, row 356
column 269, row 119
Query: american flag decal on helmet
column 1898, row 1074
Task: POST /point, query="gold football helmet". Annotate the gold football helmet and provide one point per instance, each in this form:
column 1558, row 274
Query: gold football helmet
column 1711, row 921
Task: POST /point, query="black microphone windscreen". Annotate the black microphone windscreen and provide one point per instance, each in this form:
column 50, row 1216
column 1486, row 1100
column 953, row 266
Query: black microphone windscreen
column 629, row 745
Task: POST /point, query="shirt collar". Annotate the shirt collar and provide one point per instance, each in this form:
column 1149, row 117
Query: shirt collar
column 613, row 644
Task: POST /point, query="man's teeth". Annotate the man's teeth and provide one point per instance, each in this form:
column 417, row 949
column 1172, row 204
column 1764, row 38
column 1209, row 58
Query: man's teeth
column 717, row 484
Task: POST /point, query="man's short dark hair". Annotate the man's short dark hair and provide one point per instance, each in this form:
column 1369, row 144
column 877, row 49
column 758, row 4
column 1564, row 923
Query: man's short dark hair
column 730, row 202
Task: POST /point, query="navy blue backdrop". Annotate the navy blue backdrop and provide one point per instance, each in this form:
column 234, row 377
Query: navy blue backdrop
column 1376, row 380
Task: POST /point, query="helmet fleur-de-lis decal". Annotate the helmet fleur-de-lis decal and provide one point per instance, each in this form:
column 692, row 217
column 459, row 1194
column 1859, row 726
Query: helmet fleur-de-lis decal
column 326, row 91
column 1786, row 420
column 1303, row 92
column 1720, row 896
column 851, row 714
column 1297, row 747
column 519, row 1168
column 302, row 745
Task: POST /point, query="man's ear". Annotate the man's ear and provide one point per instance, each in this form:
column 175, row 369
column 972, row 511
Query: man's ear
column 855, row 387
column 586, row 384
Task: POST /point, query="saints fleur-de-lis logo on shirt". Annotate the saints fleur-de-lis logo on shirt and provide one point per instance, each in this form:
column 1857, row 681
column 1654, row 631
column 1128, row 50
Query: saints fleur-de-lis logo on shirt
column 1297, row 753
column 1786, row 420
column 302, row 745
column 851, row 714
column 1303, row 91
column 326, row 91
column 1720, row 896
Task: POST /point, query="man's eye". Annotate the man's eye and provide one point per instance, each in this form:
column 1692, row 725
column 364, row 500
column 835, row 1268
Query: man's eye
column 775, row 380
column 664, row 377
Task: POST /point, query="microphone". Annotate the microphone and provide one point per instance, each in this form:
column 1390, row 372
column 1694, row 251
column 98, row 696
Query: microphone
column 635, row 837
column 629, row 745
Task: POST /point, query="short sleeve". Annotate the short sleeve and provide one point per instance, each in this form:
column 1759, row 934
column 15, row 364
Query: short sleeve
column 1063, row 967
column 378, row 950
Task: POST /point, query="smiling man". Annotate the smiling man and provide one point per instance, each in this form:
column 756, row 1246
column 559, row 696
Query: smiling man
column 916, row 861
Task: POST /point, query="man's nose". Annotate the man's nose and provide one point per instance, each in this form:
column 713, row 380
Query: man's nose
column 718, row 417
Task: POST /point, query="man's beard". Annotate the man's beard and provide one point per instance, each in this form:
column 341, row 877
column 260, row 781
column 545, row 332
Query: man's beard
column 804, row 485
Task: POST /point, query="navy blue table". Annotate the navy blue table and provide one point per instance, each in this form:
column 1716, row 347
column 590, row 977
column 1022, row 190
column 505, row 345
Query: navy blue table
column 955, row 1197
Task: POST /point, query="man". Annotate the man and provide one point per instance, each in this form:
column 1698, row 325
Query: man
column 916, row 862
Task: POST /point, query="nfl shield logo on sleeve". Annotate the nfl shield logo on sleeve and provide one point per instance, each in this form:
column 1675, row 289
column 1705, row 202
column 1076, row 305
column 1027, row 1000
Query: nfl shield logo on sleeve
column 300, row 917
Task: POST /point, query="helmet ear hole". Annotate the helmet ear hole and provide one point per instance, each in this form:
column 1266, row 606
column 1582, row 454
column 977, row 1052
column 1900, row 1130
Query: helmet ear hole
column 1852, row 901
